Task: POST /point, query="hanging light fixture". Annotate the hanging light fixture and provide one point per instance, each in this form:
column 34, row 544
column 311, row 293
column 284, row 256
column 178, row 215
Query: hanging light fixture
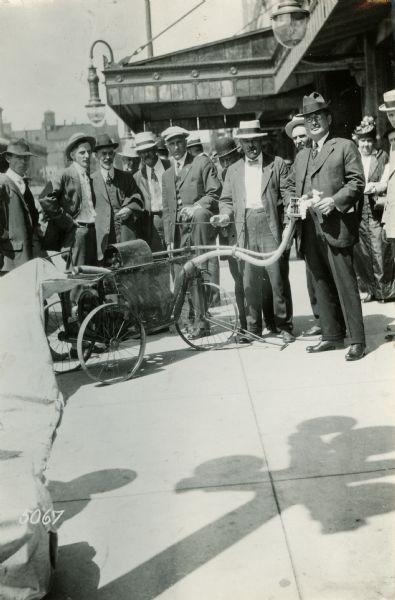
column 95, row 109
column 289, row 22
column 229, row 102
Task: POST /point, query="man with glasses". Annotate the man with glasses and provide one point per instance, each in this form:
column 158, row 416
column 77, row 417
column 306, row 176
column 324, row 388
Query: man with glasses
column 119, row 202
column 329, row 176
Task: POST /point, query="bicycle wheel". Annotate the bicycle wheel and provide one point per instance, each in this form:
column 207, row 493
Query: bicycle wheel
column 118, row 339
column 216, row 316
column 62, row 344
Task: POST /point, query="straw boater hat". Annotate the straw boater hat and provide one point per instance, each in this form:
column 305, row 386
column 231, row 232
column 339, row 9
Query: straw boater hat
column 194, row 139
column 75, row 140
column 128, row 150
column 145, row 140
column 18, row 148
column 225, row 146
column 104, row 141
column 313, row 103
column 174, row 131
column 294, row 122
column 389, row 101
column 250, row 129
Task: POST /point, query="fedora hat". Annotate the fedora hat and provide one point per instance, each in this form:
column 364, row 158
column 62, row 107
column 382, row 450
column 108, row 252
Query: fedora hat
column 194, row 139
column 250, row 129
column 225, row 146
column 145, row 140
column 128, row 149
column 76, row 139
column 19, row 148
column 313, row 103
column 294, row 122
column 174, row 131
column 389, row 101
column 104, row 141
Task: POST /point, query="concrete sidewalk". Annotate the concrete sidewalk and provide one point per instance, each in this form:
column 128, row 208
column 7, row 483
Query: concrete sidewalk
column 238, row 474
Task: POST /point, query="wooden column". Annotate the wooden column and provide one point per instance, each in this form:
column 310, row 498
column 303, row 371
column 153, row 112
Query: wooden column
column 371, row 92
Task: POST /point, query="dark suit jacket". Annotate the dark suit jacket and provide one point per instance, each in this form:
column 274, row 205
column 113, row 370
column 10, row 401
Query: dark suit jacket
column 19, row 241
column 141, row 179
column 127, row 194
column 233, row 198
column 338, row 173
column 198, row 183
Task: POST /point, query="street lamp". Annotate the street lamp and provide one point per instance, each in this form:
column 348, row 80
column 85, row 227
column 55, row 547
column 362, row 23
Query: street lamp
column 95, row 108
column 289, row 22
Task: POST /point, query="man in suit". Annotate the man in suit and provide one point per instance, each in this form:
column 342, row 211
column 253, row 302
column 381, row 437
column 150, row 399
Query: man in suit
column 191, row 191
column 20, row 237
column 149, row 181
column 119, row 202
column 296, row 130
column 389, row 209
column 333, row 168
column 253, row 198
column 70, row 207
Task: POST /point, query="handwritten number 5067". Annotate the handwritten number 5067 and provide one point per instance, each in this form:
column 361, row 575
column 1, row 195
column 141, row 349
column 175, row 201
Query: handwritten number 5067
column 49, row 517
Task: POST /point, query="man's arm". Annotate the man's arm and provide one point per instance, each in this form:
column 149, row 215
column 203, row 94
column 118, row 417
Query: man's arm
column 53, row 206
column 354, row 180
column 212, row 185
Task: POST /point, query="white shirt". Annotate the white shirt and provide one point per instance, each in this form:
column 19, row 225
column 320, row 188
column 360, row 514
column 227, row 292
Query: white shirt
column 366, row 160
column 17, row 179
column 106, row 173
column 87, row 212
column 253, row 182
column 321, row 142
column 180, row 162
column 155, row 187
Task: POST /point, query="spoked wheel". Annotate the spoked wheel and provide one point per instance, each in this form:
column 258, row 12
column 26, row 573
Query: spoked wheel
column 118, row 339
column 209, row 312
column 63, row 345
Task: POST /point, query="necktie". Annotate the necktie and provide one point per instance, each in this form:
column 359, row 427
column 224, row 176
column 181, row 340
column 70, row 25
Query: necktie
column 156, row 200
column 108, row 179
column 253, row 161
column 314, row 151
column 154, row 176
column 178, row 168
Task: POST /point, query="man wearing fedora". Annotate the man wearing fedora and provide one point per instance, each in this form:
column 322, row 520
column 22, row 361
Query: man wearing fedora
column 119, row 202
column 194, row 144
column 191, row 191
column 253, row 198
column 333, row 168
column 389, row 209
column 149, row 181
column 20, row 238
column 70, row 207
column 296, row 131
column 129, row 156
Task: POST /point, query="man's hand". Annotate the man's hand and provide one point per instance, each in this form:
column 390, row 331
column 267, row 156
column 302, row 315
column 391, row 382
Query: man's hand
column 186, row 213
column 124, row 213
column 370, row 188
column 325, row 205
column 220, row 220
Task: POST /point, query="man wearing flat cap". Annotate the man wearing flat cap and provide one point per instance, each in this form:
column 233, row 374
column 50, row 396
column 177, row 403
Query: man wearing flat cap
column 191, row 191
column 149, row 180
column 194, row 144
column 119, row 202
column 20, row 238
column 70, row 207
column 389, row 209
column 253, row 198
column 329, row 176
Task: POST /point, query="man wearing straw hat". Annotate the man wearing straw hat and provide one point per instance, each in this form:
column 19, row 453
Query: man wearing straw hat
column 389, row 209
column 20, row 238
column 119, row 202
column 149, row 180
column 329, row 176
column 253, row 198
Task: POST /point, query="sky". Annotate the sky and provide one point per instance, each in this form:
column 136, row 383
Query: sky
column 45, row 47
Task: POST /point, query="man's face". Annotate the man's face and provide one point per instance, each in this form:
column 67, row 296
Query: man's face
column 105, row 156
column 365, row 145
column 19, row 164
column 251, row 147
column 177, row 146
column 391, row 137
column 391, row 117
column 229, row 159
column 130, row 164
column 149, row 157
column 195, row 150
column 82, row 155
column 317, row 124
column 299, row 137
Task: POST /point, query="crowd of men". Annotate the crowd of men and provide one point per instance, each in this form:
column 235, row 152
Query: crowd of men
column 176, row 198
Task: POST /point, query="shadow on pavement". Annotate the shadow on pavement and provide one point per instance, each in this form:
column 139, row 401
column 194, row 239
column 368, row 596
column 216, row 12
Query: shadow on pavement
column 338, row 456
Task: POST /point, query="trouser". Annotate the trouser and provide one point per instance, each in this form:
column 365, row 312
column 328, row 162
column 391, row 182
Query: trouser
column 312, row 295
column 267, row 289
column 84, row 250
column 335, row 283
column 235, row 271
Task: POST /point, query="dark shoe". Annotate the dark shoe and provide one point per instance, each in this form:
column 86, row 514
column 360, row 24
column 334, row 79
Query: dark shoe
column 324, row 347
column 355, row 352
column 196, row 334
column 313, row 331
column 288, row 337
column 242, row 338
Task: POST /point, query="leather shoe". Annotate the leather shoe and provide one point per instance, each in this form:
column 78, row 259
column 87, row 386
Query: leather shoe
column 199, row 333
column 355, row 352
column 242, row 338
column 313, row 331
column 288, row 337
column 324, row 347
